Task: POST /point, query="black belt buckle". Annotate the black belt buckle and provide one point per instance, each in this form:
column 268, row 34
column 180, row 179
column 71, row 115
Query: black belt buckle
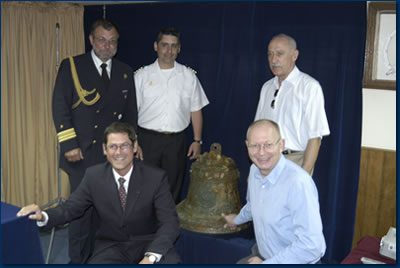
column 288, row 151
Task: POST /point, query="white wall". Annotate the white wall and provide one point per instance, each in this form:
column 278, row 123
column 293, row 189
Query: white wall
column 379, row 119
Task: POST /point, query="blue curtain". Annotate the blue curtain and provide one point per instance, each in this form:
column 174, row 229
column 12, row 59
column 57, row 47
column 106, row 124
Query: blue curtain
column 226, row 43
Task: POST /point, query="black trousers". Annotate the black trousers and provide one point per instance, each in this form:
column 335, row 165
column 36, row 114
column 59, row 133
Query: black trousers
column 131, row 252
column 167, row 152
column 81, row 231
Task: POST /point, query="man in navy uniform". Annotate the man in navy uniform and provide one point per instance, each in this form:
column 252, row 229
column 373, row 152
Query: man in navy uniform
column 91, row 91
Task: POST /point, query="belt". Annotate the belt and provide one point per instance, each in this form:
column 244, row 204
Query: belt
column 288, row 151
column 163, row 133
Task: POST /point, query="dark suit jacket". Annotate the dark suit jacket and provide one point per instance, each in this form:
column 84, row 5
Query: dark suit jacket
column 149, row 214
column 116, row 103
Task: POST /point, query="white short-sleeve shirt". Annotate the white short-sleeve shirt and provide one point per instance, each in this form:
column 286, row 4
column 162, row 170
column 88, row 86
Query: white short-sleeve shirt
column 299, row 108
column 165, row 102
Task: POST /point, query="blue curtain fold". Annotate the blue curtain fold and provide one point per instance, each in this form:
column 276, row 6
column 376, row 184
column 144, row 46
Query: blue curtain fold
column 226, row 43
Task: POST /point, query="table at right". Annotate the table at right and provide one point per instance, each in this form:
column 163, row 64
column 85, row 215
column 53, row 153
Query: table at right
column 368, row 247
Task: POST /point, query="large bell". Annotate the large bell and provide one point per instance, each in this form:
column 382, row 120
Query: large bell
column 213, row 190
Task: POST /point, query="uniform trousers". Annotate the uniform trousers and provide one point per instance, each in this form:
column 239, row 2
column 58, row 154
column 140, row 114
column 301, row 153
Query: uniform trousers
column 167, row 151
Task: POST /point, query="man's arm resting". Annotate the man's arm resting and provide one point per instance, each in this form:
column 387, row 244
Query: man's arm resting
column 311, row 154
column 37, row 215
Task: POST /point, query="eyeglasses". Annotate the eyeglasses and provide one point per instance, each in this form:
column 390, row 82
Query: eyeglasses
column 265, row 146
column 273, row 101
column 123, row 147
column 103, row 41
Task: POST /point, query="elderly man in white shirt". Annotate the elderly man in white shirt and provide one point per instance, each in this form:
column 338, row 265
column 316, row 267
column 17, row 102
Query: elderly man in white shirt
column 169, row 97
column 295, row 101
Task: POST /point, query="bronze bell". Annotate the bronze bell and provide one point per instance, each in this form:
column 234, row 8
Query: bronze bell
column 213, row 190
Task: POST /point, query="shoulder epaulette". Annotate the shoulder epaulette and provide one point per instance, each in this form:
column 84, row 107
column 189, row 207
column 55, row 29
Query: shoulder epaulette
column 137, row 70
column 191, row 69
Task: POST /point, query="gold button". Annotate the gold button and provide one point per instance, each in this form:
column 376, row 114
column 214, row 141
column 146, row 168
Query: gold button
column 115, row 113
column 61, row 126
column 96, row 126
column 98, row 111
column 94, row 142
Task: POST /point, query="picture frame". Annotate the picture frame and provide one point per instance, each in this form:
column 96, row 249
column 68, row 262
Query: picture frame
column 380, row 51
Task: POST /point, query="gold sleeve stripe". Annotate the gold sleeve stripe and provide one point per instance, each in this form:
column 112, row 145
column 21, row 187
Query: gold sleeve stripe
column 66, row 135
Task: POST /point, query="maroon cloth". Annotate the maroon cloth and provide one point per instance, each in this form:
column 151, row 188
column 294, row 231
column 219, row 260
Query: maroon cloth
column 368, row 247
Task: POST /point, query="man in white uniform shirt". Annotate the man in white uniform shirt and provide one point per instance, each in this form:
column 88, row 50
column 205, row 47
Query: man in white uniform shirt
column 169, row 96
column 295, row 101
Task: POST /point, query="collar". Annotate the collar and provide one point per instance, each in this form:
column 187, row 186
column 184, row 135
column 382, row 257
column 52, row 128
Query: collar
column 275, row 174
column 98, row 63
column 127, row 177
column 291, row 79
column 177, row 66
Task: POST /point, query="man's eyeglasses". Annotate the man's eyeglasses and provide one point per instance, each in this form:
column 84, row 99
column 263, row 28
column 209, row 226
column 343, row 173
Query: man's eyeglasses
column 265, row 146
column 103, row 41
column 123, row 147
column 273, row 101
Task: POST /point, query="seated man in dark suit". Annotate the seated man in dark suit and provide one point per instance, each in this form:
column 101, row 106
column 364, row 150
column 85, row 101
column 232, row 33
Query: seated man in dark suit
column 137, row 217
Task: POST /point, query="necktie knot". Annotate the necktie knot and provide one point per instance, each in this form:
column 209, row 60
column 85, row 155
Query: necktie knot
column 121, row 181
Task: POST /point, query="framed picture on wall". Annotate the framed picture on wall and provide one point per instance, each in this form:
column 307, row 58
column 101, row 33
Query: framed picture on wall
column 380, row 52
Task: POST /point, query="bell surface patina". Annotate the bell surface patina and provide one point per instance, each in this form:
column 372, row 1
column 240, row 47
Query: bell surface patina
column 213, row 190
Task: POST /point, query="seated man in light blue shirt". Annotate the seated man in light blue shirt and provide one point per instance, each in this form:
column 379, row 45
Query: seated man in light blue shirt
column 282, row 202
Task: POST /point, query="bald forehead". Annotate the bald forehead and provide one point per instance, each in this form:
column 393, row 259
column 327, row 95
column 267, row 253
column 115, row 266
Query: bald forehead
column 261, row 126
column 284, row 40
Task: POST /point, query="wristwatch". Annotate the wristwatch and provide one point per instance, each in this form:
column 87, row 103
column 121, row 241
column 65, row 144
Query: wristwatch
column 198, row 141
column 151, row 257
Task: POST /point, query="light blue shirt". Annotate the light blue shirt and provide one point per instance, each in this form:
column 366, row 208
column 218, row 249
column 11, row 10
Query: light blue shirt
column 284, row 209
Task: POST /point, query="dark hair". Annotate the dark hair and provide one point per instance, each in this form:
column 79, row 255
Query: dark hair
column 169, row 31
column 120, row 127
column 106, row 24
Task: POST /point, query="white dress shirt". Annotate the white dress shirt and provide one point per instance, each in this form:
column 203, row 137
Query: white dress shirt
column 127, row 178
column 165, row 101
column 98, row 63
column 299, row 109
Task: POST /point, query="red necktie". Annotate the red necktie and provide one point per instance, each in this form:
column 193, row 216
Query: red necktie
column 122, row 192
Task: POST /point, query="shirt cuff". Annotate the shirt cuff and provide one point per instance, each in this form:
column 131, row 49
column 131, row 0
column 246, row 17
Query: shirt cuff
column 46, row 220
column 158, row 256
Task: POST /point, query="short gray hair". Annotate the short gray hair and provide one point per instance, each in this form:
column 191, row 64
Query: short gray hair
column 292, row 43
